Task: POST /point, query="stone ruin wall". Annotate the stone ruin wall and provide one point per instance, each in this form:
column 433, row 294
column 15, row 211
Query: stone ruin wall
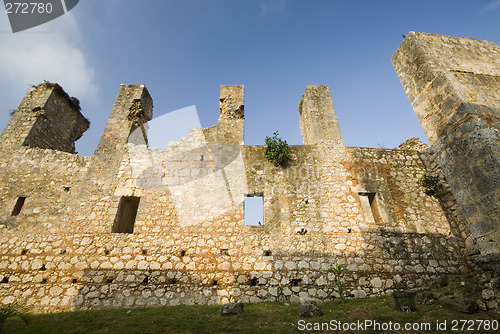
column 360, row 207
column 189, row 242
column 454, row 87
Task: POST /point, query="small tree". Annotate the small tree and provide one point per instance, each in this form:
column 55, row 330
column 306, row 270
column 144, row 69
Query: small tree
column 277, row 150
column 339, row 272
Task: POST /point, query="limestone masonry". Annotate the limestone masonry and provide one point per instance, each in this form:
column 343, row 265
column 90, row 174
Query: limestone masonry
column 139, row 226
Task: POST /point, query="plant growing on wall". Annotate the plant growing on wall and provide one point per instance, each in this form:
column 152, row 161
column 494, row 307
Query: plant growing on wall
column 277, row 150
column 339, row 273
column 431, row 184
column 230, row 299
column 280, row 294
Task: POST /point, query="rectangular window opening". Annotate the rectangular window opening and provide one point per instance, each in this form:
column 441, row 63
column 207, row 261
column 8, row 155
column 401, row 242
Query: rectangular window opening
column 370, row 206
column 254, row 210
column 19, row 205
column 126, row 214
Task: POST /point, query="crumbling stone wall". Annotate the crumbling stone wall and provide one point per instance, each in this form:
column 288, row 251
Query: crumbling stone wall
column 332, row 205
column 454, row 87
column 47, row 118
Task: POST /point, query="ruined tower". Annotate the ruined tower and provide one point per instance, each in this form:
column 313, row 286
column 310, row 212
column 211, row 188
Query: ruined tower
column 454, row 87
column 46, row 118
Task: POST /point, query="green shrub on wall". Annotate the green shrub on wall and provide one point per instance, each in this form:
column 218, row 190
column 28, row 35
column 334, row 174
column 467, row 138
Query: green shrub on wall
column 431, row 184
column 277, row 150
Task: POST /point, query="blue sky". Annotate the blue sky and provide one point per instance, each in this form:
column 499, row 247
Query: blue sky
column 184, row 50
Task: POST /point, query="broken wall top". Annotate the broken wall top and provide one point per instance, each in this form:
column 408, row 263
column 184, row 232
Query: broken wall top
column 443, row 76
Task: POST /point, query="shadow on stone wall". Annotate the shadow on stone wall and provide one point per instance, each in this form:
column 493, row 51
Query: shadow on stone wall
column 110, row 288
column 400, row 260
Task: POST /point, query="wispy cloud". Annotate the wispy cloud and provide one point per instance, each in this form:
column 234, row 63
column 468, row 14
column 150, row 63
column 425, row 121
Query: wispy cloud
column 271, row 7
column 48, row 52
column 490, row 6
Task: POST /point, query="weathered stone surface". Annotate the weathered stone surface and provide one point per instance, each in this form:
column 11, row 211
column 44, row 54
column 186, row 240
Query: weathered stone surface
column 232, row 308
column 459, row 304
column 359, row 294
column 48, row 119
column 310, row 308
column 487, row 294
column 413, row 143
column 441, row 281
column 453, row 85
column 134, row 225
column 425, row 297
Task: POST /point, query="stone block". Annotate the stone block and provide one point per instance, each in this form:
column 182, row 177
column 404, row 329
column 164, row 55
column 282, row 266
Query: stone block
column 231, row 309
column 310, row 308
column 459, row 304
column 480, row 229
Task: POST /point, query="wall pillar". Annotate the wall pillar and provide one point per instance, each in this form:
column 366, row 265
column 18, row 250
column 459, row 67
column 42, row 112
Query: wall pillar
column 47, row 118
column 318, row 121
column 232, row 115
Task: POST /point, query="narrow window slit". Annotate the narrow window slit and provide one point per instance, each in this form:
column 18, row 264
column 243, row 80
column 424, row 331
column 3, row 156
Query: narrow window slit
column 18, row 206
column 126, row 215
column 370, row 206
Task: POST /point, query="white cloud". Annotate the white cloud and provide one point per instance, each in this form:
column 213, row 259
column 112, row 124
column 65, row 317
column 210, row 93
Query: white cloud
column 270, row 7
column 47, row 52
column 491, row 6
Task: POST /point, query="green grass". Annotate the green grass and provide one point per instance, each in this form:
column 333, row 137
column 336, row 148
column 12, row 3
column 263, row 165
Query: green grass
column 257, row 318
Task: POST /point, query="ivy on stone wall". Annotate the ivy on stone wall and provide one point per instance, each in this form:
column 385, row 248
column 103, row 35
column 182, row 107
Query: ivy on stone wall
column 277, row 150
